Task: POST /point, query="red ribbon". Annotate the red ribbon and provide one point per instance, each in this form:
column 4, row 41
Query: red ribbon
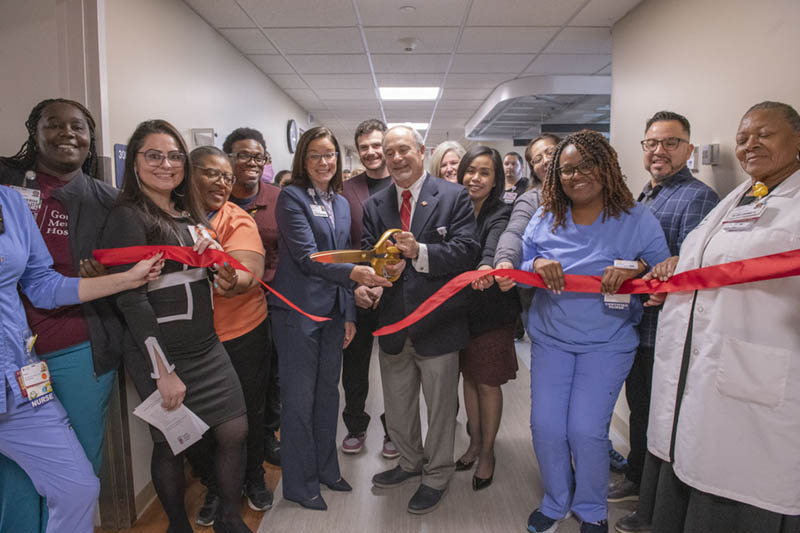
column 775, row 266
column 187, row 256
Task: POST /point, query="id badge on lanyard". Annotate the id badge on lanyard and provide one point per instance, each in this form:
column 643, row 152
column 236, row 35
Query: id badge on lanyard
column 34, row 379
column 33, row 197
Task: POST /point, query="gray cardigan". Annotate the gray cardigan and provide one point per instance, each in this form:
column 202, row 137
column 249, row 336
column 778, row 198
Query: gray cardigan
column 509, row 247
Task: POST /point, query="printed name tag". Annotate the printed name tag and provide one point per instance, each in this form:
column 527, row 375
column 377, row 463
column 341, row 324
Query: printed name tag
column 617, row 301
column 319, row 210
column 32, row 196
column 34, row 383
column 744, row 217
column 509, row 197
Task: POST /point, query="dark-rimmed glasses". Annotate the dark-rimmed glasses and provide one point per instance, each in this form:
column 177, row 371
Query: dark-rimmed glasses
column 214, row 175
column 244, row 157
column 584, row 167
column 669, row 144
column 154, row 157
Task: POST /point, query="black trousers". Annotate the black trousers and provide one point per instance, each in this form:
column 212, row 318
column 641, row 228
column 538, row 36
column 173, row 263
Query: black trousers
column 637, row 392
column 272, row 409
column 355, row 372
column 250, row 356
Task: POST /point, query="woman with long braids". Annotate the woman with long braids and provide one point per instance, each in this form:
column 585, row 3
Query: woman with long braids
column 582, row 344
column 54, row 171
column 170, row 344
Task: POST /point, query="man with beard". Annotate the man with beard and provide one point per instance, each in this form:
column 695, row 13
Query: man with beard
column 355, row 362
column 679, row 201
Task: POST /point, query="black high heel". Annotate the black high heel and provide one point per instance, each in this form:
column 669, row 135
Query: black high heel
column 462, row 466
column 479, row 483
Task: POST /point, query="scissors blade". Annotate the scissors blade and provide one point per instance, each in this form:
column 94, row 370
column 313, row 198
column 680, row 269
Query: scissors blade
column 343, row 256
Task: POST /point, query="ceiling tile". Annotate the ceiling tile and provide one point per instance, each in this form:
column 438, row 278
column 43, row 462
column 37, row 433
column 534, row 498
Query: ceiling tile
column 301, row 13
column 540, row 12
column 346, row 94
column 431, row 40
column 271, row 64
column 387, row 13
column 440, row 123
column 457, row 105
column 477, row 81
column 465, row 94
column 581, row 41
column 603, row 12
column 604, row 72
column 331, row 64
column 495, row 63
column 554, row 64
column 249, row 41
column 505, row 40
column 339, row 81
column 221, row 13
column 409, row 80
column 398, row 63
column 288, row 81
column 317, row 41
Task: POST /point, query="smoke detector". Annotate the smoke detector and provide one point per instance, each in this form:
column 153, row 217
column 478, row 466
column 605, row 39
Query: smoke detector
column 409, row 44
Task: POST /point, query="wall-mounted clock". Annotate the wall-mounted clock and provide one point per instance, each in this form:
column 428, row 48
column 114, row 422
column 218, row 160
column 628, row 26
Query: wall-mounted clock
column 291, row 135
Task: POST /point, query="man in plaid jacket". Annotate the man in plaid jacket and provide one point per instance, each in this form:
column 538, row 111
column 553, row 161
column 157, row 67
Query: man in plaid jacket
column 679, row 201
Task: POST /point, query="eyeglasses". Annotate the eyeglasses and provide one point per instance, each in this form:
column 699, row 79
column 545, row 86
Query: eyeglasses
column 316, row 158
column 539, row 158
column 669, row 144
column 244, row 157
column 584, row 167
column 154, row 158
column 214, row 175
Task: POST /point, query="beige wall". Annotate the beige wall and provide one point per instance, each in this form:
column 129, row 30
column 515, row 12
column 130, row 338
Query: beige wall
column 164, row 61
column 709, row 60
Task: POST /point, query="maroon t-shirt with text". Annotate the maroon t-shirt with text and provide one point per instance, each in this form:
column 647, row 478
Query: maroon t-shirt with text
column 64, row 326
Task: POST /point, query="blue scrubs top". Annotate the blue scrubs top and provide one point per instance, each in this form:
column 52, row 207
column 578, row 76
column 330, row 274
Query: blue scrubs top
column 24, row 262
column 580, row 322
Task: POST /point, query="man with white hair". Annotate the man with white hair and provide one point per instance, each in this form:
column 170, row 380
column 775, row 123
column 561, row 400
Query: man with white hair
column 438, row 241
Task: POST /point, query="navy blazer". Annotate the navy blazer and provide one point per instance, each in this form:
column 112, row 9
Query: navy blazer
column 444, row 220
column 314, row 287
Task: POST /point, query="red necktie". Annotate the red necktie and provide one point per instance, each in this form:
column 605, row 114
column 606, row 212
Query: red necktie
column 405, row 211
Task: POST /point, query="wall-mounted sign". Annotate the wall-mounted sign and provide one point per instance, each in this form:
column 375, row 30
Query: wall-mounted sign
column 119, row 163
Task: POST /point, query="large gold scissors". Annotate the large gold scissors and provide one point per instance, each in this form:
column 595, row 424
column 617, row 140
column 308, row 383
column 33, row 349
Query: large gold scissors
column 384, row 253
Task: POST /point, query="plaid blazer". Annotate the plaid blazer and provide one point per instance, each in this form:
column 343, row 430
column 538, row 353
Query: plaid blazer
column 680, row 205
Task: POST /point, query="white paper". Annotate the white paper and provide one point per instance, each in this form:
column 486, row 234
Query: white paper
column 181, row 426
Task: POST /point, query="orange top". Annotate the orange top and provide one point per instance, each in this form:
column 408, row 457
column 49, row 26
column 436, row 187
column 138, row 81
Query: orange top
column 233, row 317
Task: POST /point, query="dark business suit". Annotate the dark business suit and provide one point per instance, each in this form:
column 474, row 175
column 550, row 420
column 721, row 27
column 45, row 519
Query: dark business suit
column 425, row 354
column 310, row 353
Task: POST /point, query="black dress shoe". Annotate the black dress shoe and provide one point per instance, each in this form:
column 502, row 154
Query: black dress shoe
column 393, row 478
column 315, row 504
column 425, row 500
column 341, row 485
column 462, row 466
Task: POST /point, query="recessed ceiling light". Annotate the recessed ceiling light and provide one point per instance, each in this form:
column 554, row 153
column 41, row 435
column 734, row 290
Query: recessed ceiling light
column 407, row 9
column 416, row 125
column 409, row 93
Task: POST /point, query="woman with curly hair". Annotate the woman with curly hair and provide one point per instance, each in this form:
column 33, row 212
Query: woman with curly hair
column 583, row 344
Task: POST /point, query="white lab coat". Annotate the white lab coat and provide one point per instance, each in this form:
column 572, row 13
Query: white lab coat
column 738, row 433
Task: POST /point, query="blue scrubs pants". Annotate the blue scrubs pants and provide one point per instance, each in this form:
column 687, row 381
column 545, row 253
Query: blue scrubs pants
column 85, row 399
column 572, row 399
column 42, row 442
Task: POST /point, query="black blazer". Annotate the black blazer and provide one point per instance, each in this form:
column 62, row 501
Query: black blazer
column 492, row 308
column 444, row 221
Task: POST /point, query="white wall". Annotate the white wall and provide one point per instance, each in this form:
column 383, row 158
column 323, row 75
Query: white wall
column 709, row 60
column 164, row 61
column 31, row 70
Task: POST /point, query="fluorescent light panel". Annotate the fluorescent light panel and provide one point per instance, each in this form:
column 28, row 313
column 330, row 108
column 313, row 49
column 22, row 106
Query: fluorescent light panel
column 409, row 93
column 415, row 125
